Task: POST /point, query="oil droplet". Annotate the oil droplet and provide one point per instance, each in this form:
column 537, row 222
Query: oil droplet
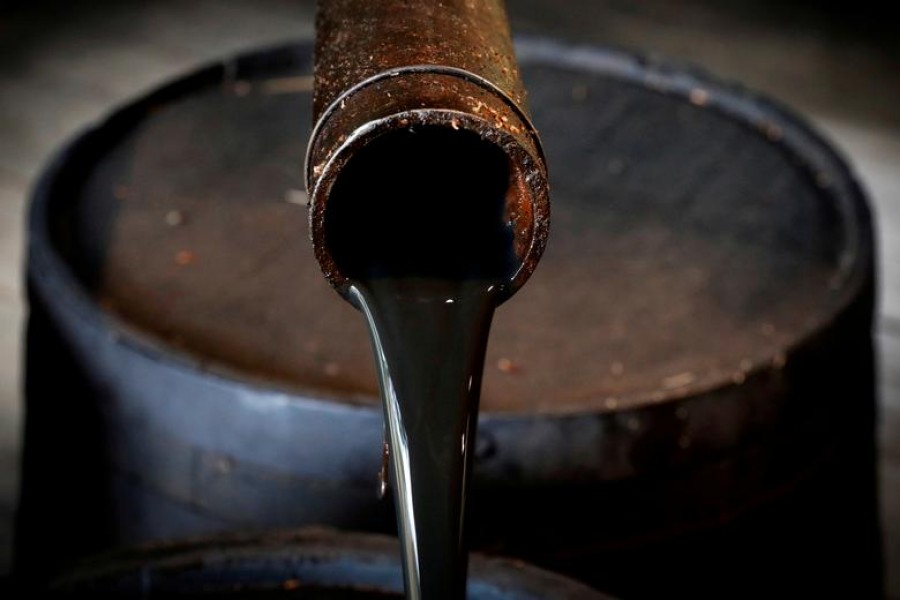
column 174, row 218
column 680, row 380
column 699, row 97
column 184, row 258
column 773, row 132
column 505, row 365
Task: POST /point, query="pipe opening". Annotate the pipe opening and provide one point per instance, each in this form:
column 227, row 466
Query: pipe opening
column 425, row 201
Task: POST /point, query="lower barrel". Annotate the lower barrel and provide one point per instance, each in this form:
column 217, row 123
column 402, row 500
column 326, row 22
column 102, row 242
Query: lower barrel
column 680, row 402
column 315, row 563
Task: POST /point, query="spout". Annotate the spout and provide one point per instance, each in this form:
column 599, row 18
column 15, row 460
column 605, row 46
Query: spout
column 421, row 137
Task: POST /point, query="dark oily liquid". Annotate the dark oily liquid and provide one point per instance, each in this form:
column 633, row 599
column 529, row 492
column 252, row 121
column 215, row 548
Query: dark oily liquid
column 429, row 338
column 418, row 223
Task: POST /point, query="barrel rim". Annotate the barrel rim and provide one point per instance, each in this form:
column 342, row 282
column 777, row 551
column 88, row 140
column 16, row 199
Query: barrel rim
column 373, row 558
column 49, row 271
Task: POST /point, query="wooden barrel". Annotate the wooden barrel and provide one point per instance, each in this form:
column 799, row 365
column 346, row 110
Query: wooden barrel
column 680, row 401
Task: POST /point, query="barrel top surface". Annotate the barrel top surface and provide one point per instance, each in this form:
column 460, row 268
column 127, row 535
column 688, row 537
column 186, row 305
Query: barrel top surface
column 698, row 234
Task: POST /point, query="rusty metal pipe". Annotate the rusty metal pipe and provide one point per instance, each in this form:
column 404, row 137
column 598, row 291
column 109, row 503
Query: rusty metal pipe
column 391, row 65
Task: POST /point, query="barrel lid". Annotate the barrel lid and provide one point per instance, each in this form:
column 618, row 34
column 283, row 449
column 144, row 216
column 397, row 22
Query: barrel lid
column 699, row 235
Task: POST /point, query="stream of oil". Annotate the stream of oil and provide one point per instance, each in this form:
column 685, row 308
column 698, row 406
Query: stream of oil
column 429, row 338
column 418, row 223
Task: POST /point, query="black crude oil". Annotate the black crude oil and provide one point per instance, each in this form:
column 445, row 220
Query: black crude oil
column 418, row 223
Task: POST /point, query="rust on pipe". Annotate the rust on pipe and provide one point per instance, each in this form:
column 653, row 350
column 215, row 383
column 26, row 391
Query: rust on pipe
column 388, row 65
